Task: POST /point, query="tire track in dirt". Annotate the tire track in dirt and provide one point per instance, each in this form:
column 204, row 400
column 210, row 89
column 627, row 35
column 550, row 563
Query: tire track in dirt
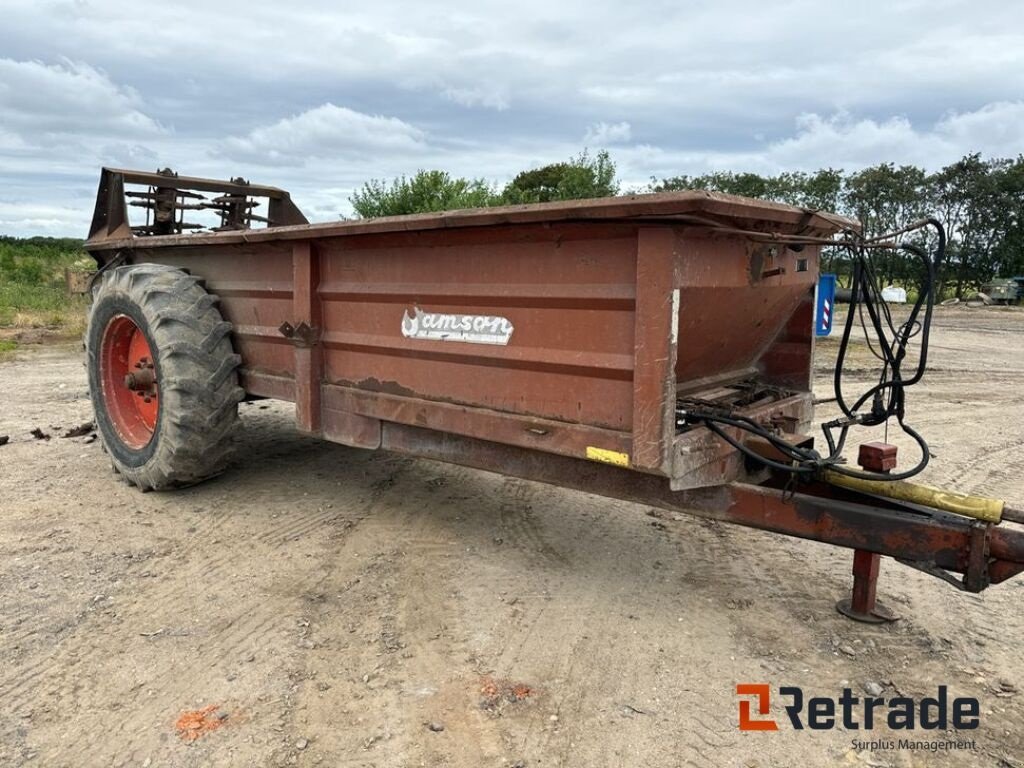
column 205, row 528
column 434, row 566
column 266, row 627
column 411, row 542
column 520, row 530
column 518, row 521
column 250, row 626
column 565, row 643
column 162, row 595
column 991, row 461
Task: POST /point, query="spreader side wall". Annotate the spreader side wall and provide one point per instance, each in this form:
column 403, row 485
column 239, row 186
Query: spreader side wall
column 254, row 284
column 567, row 291
column 602, row 326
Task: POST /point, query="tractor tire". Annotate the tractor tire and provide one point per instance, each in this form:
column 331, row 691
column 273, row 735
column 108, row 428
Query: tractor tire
column 163, row 376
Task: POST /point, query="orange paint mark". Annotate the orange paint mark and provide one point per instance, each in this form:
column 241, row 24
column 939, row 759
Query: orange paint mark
column 194, row 723
column 520, row 691
column 489, row 688
column 498, row 691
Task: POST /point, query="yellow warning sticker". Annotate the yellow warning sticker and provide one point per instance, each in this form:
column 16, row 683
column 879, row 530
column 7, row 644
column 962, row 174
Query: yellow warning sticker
column 608, row 457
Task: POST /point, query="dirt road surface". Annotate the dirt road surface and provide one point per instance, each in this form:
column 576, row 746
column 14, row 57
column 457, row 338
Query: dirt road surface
column 321, row 605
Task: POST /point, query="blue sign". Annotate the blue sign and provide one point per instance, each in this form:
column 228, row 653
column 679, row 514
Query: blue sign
column 825, row 305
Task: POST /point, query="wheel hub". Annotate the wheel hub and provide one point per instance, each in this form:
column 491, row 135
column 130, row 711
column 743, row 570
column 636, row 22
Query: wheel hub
column 143, row 380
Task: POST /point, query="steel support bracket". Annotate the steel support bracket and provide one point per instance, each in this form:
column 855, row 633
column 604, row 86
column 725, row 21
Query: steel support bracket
column 301, row 335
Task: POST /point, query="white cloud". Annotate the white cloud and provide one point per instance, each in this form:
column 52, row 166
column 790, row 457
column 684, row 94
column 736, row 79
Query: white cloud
column 486, row 90
column 843, row 141
column 477, row 97
column 848, row 142
column 44, row 219
column 996, row 129
column 325, row 131
column 40, row 102
column 603, row 134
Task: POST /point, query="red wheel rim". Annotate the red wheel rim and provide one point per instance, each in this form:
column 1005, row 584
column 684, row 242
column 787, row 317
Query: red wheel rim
column 129, row 377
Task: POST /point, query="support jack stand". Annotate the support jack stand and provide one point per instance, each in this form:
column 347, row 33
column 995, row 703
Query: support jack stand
column 861, row 605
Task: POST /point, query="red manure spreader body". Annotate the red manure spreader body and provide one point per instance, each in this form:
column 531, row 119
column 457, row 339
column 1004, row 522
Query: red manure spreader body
column 560, row 342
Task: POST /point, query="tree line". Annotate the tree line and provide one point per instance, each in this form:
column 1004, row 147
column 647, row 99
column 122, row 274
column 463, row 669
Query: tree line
column 980, row 202
column 579, row 177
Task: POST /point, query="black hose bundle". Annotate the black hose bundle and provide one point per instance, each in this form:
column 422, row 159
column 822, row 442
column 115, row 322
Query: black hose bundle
column 887, row 398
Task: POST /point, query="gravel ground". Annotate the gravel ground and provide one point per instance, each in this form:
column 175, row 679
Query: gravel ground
column 321, row 605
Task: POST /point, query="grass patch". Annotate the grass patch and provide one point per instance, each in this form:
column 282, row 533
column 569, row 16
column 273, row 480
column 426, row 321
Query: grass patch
column 41, row 306
column 32, row 290
column 7, row 349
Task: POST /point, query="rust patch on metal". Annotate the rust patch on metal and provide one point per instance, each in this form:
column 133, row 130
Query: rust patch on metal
column 387, row 387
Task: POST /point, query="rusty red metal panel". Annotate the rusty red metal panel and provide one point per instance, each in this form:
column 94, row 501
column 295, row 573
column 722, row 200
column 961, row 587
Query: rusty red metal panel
column 655, row 329
column 590, row 307
column 566, row 294
column 735, row 302
column 254, row 283
column 309, row 352
column 788, row 359
column 266, row 385
column 347, row 428
column 529, row 432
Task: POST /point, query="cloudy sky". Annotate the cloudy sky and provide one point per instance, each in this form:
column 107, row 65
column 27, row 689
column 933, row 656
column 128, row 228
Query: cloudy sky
column 319, row 96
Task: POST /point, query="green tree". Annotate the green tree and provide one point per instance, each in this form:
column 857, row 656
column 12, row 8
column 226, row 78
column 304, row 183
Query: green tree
column 581, row 177
column 885, row 198
column 1007, row 257
column 980, row 203
column 429, row 191
column 820, row 191
column 425, row 192
column 743, row 184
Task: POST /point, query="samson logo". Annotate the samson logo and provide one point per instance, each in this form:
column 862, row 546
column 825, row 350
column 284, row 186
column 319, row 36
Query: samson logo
column 474, row 329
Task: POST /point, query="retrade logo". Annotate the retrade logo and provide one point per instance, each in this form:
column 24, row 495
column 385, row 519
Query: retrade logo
column 763, row 696
column 851, row 712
